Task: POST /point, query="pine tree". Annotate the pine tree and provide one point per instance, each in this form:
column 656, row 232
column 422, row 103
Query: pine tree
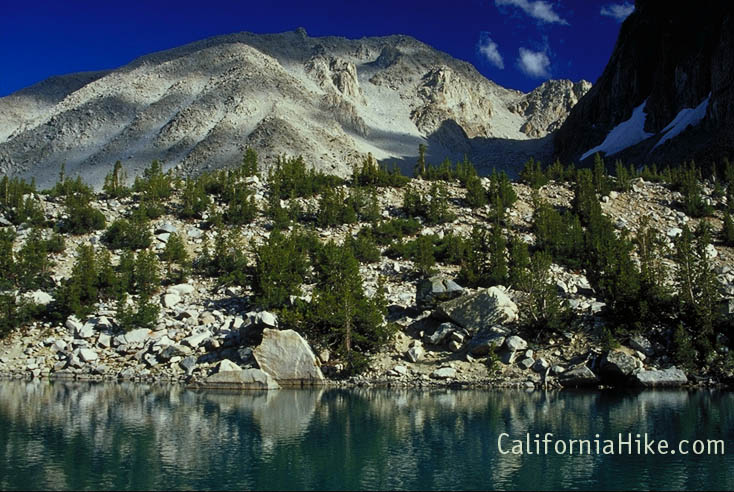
column 697, row 284
column 424, row 258
column 114, row 182
column 728, row 230
column 343, row 317
column 420, row 165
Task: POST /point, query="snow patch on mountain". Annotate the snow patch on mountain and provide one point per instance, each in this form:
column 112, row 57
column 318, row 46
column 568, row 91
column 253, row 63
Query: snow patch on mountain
column 624, row 135
column 685, row 118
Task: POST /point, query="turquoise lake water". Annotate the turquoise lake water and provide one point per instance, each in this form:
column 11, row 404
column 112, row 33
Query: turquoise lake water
column 133, row 436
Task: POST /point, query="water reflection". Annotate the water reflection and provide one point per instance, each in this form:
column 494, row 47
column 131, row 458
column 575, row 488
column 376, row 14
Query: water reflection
column 86, row 436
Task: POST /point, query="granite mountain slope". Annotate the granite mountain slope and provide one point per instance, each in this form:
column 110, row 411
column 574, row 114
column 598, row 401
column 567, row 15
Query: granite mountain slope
column 331, row 99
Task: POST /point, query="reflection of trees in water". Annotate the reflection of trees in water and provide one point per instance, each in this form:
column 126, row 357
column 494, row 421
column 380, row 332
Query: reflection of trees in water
column 76, row 435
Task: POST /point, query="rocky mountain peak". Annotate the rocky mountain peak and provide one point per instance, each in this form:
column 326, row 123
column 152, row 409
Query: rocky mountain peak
column 676, row 60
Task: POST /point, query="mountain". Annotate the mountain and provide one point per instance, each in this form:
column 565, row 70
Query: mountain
column 667, row 93
column 331, row 99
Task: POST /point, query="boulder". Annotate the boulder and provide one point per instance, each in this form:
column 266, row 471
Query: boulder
column 174, row 351
column 196, row 339
column 487, row 339
column 474, row 312
column 578, row 376
column 247, row 379
column 139, row 335
column 414, row 353
column 227, row 365
column 617, row 367
column 165, row 227
column 40, row 298
column 104, row 340
column 638, row 342
column 526, row 363
column 436, row 289
column 85, row 331
column 181, row 289
column 444, row 373
column 286, row 356
column 455, row 346
column 515, row 343
column 661, row 377
column 88, row 355
column 73, row 324
column 439, row 336
column 170, row 300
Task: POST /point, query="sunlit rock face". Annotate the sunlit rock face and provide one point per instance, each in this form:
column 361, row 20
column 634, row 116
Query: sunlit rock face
column 330, row 99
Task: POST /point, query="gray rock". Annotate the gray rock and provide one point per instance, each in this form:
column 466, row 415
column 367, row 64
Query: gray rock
column 557, row 370
column 638, row 342
column 196, row 339
column 661, row 377
column 475, row 311
column 85, row 331
column 617, row 367
column 245, row 354
column 286, row 356
column 59, row 346
column 514, row 343
column 170, row 300
column 526, row 363
column 436, row 289
column 104, row 340
column 166, row 227
column 40, row 298
column 414, row 353
column 150, row 359
column 578, row 376
column 439, row 336
column 247, row 379
column 174, row 351
column 140, row 335
column 324, row 355
column 88, row 355
column 487, row 339
column 227, row 365
column 181, row 290
column 73, row 324
column 444, row 373
column 401, row 370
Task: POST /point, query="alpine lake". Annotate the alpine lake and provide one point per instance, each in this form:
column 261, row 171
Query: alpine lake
column 73, row 435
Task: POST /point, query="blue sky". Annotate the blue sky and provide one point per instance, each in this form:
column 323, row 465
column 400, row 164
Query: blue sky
column 516, row 43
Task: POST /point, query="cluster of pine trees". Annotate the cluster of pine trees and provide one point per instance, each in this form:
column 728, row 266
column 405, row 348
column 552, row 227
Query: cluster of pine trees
column 627, row 269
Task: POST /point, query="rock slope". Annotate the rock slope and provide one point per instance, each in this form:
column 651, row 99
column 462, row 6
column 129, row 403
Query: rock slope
column 446, row 333
column 330, row 99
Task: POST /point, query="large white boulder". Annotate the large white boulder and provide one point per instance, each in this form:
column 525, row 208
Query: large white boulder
column 286, row 356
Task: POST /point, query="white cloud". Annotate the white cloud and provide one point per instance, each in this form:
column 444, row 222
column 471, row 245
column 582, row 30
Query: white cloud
column 490, row 51
column 539, row 9
column 534, row 63
column 619, row 11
